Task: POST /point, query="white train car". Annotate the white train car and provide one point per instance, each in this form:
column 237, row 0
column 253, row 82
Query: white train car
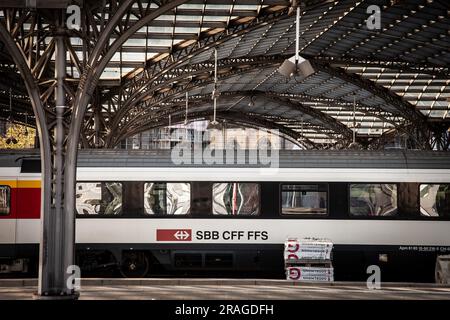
column 141, row 214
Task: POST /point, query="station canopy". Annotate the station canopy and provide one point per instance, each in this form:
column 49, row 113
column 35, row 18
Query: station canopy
column 392, row 79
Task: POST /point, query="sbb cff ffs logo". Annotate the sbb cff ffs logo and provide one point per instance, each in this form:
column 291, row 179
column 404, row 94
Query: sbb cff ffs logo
column 174, row 235
column 232, row 235
column 205, row 235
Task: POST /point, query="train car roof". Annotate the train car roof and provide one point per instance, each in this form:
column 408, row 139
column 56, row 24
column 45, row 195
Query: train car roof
column 29, row 160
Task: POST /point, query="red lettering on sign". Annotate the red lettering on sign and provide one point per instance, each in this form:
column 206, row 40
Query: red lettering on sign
column 294, row 273
column 174, row 235
column 292, row 256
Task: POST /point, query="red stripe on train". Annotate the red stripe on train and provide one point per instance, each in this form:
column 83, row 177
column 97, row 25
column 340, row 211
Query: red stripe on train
column 25, row 204
column 28, row 203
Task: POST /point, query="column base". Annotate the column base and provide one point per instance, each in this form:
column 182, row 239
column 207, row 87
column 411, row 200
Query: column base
column 74, row 296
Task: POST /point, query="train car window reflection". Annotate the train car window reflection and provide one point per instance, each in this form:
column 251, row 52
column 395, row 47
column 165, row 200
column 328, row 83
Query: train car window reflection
column 241, row 199
column 435, row 200
column 167, row 198
column 379, row 199
column 99, row 198
column 5, row 200
column 298, row 199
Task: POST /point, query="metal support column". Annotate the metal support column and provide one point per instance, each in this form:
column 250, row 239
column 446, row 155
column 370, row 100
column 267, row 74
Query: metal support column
column 57, row 243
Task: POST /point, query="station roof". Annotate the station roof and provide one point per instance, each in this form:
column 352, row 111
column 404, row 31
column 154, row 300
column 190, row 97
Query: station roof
column 398, row 75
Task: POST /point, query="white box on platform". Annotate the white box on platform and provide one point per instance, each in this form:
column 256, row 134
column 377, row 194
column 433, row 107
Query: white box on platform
column 310, row 274
column 308, row 248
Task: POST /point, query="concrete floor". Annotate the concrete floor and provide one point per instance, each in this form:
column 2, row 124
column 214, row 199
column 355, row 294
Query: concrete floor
column 224, row 289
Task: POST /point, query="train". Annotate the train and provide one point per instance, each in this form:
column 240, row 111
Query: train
column 139, row 214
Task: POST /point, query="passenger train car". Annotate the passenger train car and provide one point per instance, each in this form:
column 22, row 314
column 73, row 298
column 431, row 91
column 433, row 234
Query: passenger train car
column 141, row 214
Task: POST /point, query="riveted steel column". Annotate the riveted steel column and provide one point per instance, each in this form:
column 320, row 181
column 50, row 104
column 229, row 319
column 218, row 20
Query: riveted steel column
column 41, row 125
column 57, row 252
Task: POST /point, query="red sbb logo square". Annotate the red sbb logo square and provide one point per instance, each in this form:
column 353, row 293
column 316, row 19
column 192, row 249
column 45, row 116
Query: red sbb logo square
column 173, row 234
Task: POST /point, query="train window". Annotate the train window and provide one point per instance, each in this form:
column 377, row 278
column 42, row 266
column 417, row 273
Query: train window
column 374, row 199
column 5, row 200
column 435, row 200
column 167, row 198
column 99, row 198
column 236, row 199
column 304, row 199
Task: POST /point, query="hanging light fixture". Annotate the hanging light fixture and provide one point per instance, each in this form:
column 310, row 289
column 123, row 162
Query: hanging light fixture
column 187, row 109
column 252, row 101
column 354, row 145
column 354, row 118
column 215, row 94
column 301, row 127
column 296, row 65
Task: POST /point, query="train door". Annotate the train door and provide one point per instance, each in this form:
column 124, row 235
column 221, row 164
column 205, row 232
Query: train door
column 8, row 224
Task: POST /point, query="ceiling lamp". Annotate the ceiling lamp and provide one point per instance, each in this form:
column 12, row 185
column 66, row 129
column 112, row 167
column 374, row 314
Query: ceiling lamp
column 296, row 65
column 354, row 145
column 187, row 110
column 252, row 101
column 215, row 94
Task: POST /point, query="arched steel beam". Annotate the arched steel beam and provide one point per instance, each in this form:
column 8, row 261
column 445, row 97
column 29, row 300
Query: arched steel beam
column 226, row 67
column 437, row 138
column 39, row 111
column 184, row 51
column 439, row 72
column 152, row 98
column 97, row 64
column 383, row 115
column 406, row 109
column 199, row 101
column 329, row 124
column 158, row 66
column 398, row 122
column 233, row 67
column 236, row 117
column 326, row 121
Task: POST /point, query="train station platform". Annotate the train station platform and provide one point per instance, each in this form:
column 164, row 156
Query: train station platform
column 230, row 289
